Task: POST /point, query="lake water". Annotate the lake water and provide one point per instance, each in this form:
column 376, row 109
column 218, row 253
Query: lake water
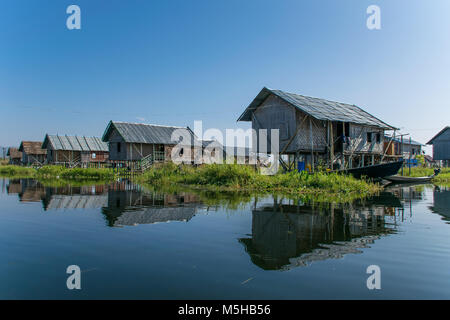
column 133, row 243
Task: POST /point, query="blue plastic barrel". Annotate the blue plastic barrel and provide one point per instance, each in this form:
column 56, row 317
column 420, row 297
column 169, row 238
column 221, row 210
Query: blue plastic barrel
column 300, row 166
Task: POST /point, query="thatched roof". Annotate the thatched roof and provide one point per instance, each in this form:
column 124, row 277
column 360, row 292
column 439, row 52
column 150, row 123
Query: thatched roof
column 14, row 153
column 32, row 147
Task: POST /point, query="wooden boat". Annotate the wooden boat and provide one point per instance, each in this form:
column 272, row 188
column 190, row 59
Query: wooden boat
column 403, row 179
column 375, row 171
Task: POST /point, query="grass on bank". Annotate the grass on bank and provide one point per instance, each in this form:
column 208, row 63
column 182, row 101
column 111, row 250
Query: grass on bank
column 56, row 172
column 442, row 177
column 232, row 177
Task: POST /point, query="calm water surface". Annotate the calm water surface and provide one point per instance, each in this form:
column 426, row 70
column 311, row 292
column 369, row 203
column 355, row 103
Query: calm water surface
column 133, row 243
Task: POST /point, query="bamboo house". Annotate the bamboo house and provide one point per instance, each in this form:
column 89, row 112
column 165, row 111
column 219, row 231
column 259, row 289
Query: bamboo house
column 75, row 151
column 315, row 131
column 32, row 153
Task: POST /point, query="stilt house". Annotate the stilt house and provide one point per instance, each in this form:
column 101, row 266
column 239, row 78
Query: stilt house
column 15, row 156
column 317, row 131
column 32, row 153
column 441, row 146
column 138, row 142
column 75, row 150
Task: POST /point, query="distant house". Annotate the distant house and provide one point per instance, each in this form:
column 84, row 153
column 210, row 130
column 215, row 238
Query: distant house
column 395, row 147
column 441, row 146
column 136, row 141
column 429, row 161
column 314, row 131
column 14, row 155
column 32, row 152
column 75, row 150
column 241, row 155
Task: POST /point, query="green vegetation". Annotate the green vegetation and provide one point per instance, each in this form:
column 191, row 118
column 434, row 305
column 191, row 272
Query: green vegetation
column 232, row 177
column 57, row 172
column 75, row 173
column 442, row 177
column 11, row 171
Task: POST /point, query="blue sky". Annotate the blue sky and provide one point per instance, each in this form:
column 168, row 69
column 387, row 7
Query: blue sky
column 173, row 62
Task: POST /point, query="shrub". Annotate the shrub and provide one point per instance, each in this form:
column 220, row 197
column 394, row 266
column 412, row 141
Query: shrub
column 241, row 177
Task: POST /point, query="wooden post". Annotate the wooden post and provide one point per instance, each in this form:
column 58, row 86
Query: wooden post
column 401, row 152
column 409, row 161
column 331, row 143
column 312, row 144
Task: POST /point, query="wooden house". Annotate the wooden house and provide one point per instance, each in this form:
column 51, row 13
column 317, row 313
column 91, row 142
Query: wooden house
column 32, row 153
column 397, row 148
column 75, row 150
column 15, row 156
column 317, row 131
column 130, row 142
column 441, row 146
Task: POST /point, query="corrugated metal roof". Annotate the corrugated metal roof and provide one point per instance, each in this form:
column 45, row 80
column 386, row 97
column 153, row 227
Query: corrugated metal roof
column 320, row 109
column 75, row 143
column 155, row 215
column 405, row 141
column 77, row 202
column 149, row 133
column 438, row 134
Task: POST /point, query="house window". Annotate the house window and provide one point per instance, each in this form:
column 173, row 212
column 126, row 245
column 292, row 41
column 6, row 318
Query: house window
column 94, row 156
column 369, row 137
column 378, row 137
column 347, row 129
column 118, row 146
column 284, row 131
column 413, row 151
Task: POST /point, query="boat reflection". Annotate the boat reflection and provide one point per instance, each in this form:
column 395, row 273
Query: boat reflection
column 287, row 235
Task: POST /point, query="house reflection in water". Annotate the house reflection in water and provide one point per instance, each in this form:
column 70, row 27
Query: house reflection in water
column 287, row 235
column 441, row 202
column 123, row 203
column 133, row 207
column 28, row 190
column 80, row 198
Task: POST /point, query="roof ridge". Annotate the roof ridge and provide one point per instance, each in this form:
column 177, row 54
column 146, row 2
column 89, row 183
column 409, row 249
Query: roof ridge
column 74, row 135
column 150, row 124
column 301, row 95
column 438, row 134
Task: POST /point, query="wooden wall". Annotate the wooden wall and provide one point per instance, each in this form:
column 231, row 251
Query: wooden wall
column 441, row 146
column 275, row 113
column 359, row 141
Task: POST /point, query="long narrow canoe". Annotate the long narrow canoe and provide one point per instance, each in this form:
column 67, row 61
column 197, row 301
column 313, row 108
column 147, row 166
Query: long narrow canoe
column 375, row 171
column 401, row 179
